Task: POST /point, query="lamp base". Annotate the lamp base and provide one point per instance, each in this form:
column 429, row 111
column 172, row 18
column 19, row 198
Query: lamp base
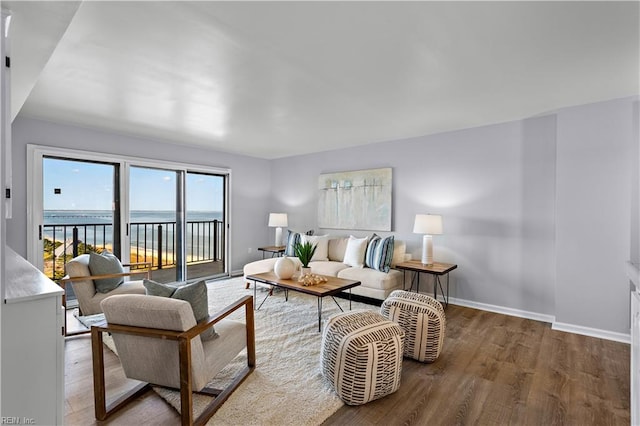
column 278, row 242
column 427, row 250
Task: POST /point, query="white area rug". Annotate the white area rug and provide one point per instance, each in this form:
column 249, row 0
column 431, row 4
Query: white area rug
column 286, row 388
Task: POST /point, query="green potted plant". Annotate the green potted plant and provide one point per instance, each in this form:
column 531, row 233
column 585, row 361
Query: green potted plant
column 304, row 252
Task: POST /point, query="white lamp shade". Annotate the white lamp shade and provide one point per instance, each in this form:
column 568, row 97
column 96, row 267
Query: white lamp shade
column 278, row 220
column 430, row 224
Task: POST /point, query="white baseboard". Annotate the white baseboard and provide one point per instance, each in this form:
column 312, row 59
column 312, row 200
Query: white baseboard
column 568, row 328
column 502, row 310
column 592, row 332
column 237, row 273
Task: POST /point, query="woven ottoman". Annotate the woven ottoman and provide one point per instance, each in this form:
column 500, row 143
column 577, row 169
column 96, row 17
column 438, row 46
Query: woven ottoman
column 361, row 355
column 423, row 321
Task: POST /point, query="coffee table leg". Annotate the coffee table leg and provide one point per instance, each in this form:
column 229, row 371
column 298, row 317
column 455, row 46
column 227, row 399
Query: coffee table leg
column 338, row 305
column 257, row 308
column 319, row 314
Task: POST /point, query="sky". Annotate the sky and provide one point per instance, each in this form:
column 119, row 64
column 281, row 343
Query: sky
column 89, row 186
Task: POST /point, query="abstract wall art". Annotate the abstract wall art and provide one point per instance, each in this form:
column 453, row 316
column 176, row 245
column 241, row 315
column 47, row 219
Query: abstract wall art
column 358, row 200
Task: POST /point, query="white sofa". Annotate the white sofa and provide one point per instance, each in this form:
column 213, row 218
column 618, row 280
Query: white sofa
column 374, row 284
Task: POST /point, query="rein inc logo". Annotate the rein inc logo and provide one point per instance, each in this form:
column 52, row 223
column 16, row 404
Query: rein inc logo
column 17, row 421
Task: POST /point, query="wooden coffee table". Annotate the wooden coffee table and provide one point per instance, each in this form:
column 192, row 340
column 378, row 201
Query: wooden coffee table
column 332, row 287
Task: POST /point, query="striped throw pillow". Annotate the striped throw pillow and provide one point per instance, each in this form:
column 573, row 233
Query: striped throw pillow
column 293, row 238
column 379, row 253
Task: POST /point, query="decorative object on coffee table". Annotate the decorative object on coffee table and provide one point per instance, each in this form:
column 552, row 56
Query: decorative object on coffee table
column 312, row 279
column 284, row 268
column 361, row 356
column 423, row 321
column 304, row 252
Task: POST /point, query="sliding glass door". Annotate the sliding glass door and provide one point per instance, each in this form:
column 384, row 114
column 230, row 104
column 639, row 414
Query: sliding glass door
column 205, row 232
column 176, row 222
column 80, row 211
column 172, row 216
column 152, row 221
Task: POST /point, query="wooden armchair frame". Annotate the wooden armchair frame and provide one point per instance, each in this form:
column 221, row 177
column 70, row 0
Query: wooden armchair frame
column 63, row 283
column 102, row 411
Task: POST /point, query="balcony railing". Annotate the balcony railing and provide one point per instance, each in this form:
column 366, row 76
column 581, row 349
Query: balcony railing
column 153, row 242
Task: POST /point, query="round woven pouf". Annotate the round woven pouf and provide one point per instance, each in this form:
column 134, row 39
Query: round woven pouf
column 361, row 356
column 423, row 321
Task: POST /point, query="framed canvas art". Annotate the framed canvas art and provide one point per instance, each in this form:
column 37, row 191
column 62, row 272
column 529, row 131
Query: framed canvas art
column 358, row 200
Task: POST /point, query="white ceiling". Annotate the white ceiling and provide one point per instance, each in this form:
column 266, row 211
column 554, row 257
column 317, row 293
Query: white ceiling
column 273, row 79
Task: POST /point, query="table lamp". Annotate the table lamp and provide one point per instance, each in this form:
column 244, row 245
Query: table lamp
column 278, row 220
column 428, row 224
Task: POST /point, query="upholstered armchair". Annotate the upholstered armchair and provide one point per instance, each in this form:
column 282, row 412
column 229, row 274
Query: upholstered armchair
column 158, row 341
column 82, row 281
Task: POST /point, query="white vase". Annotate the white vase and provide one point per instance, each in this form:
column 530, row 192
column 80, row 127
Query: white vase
column 304, row 271
column 284, row 268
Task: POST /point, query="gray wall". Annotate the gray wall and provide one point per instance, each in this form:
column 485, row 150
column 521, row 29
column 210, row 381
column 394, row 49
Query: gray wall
column 250, row 178
column 594, row 183
column 493, row 185
column 536, row 212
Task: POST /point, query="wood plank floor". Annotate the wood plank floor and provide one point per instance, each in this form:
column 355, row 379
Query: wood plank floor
column 494, row 370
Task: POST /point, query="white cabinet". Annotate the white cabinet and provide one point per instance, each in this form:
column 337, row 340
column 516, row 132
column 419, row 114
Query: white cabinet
column 32, row 345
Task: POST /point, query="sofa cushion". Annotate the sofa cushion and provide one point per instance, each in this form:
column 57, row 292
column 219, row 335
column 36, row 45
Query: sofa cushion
column 322, row 245
column 380, row 253
column 327, row 267
column 374, row 279
column 105, row 264
column 356, row 249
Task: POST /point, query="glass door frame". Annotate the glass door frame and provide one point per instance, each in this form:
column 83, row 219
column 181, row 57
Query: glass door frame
column 35, row 210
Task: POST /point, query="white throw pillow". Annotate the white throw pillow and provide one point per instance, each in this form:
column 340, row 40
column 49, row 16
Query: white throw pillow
column 322, row 245
column 356, row 249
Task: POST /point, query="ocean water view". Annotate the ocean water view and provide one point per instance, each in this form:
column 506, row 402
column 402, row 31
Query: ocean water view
column 82, row 217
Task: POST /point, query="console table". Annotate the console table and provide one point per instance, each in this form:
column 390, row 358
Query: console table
column 437, row 269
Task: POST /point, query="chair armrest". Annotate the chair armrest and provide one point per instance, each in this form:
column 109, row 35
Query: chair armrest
column 189, row 334
column 246, row 301
column 137, row 331
column 99, row 277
